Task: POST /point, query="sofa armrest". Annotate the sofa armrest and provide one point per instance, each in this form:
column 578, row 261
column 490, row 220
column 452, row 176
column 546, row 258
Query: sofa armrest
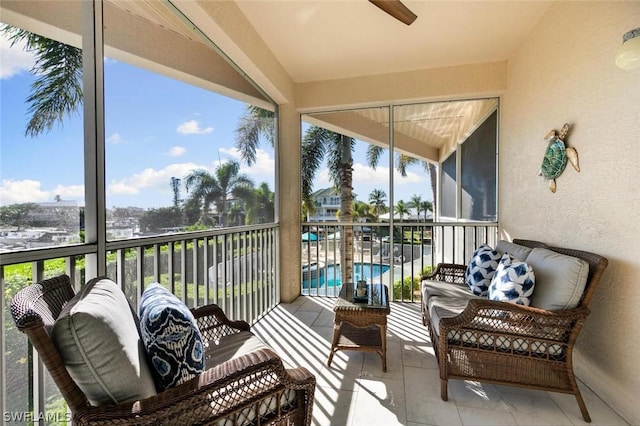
column 507, row 327
column 214, row 324
column 220, row 391
column 450, row 273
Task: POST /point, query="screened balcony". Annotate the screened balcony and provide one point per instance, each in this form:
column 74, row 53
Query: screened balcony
column 547, row 68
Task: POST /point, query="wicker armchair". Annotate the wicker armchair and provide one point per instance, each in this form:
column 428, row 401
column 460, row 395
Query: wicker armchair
column 504, row 343
column 254, row 388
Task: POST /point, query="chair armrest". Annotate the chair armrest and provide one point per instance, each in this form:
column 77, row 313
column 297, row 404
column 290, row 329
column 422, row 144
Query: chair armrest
column 223, row 389
column 516, row 321
column 214, row 324
column 450, row 273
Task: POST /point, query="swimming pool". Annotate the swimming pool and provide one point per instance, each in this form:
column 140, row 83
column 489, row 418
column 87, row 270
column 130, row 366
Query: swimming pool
column 329, row 276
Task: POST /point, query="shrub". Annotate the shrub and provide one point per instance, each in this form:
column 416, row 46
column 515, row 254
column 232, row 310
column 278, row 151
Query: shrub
column 403, row 290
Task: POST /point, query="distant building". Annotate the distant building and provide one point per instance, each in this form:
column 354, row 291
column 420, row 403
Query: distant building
column 326, row 206
column 61, row 214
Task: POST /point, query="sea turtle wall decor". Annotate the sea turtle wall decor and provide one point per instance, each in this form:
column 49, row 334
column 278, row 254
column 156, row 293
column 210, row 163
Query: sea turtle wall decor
column 556, row 155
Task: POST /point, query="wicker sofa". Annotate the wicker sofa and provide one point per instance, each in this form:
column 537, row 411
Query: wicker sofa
column 245, row 382
column 499, row 342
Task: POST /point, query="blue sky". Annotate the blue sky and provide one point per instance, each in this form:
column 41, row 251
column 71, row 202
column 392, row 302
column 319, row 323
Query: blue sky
column 155, row 128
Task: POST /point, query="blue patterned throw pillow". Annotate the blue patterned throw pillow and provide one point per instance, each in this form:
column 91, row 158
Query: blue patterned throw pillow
column 171, row 337
column 481, row 268
column 513, row 282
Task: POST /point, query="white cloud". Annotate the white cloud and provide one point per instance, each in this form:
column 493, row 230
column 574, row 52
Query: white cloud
column 14, row 59
column 150, row 179
column 412, row 177
column 263, row 169
column 365, row 179
column 322, row 180
column 71, row 192
column 365, row 175
column 114, row 138
column 177, row 151
column 231, row 152
column 30, row 191
column 192, row 127
column 22, row 191
column 362, row 176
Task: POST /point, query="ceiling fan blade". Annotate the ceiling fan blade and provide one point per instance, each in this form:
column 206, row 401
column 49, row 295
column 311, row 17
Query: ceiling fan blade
column 396, row 9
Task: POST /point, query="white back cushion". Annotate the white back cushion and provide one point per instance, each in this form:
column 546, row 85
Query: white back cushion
column 560, row 279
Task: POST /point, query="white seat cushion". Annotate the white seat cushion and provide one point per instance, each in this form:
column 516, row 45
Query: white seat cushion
column 230, row 347
column 445, row 300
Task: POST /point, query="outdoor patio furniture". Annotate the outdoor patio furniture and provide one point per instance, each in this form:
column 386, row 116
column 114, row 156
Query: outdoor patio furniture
column 500, row 342
column 361, row 324
column 244, row 381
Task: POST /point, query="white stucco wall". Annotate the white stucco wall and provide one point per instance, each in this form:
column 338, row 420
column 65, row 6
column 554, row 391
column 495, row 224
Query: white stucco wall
column 565, row 72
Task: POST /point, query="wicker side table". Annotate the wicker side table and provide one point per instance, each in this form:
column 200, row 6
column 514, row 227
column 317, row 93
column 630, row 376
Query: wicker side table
column 361, row 325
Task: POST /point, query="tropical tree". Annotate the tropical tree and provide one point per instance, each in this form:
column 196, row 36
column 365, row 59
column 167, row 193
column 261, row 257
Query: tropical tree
column 16, row 214
column 225, row 184
column 415, row 203
column 378, row 202
column 402, row 161
column 57, row 89
column 401, row 209
column 261, row 209
column 425, row 206
column 317, row 144
column 235, row 214
column 158, row 220
column 192, row 212
column 361, row 211
column 175, row 188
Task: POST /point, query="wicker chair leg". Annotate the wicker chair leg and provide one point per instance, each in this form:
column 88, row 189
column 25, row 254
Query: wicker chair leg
column 443, row 390
column 423, row 313
column 583, row 407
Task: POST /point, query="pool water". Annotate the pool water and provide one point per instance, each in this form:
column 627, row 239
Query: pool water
column 329, row 276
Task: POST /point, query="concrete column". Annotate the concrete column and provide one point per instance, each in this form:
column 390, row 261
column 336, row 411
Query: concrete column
column 290, row 202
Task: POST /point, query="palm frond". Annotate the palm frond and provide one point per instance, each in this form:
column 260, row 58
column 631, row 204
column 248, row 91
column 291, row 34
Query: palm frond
column 313, row 153
column 57, row 90
column 403, row 161
column 339, row 149
column 256, row 123
column 374, row 152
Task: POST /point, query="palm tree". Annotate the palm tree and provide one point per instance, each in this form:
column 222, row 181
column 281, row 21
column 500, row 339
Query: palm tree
column 425, row 206
column 374, row 152
column 262, row 208
column 227, row 183
column 401, row 209
column 317, row 144
column 361, row 212
column 57, row 90
column 416, row 203
column 175, row 188
column 377, row 200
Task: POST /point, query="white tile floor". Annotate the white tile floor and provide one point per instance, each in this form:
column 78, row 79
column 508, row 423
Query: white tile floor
column 354, row 391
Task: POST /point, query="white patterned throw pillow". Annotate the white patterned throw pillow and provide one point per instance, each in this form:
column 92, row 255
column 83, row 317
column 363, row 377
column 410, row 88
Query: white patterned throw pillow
column 480, row 270
column 513, row 282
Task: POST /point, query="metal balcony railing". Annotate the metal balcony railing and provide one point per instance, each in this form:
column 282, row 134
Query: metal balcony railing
column 235, row 268
column 396, row 259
